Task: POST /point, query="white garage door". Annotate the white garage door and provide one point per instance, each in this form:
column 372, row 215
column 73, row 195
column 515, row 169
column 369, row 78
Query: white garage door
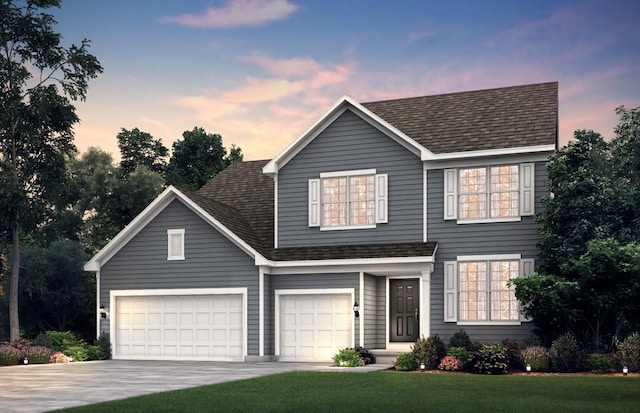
column 187, row 327
column 314, row 327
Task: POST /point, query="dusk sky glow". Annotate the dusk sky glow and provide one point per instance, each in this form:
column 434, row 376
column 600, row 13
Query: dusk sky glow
column 260, row 72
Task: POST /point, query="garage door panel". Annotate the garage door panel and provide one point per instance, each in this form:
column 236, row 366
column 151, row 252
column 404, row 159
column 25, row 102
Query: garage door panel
column 180, row 327
column 313, row 327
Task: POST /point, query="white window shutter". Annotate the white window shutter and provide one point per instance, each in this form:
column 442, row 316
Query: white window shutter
column 527, row 267
column 450, row 194
column 450, row 291
column 314, row 202
column 527, row 189
column 382, row 200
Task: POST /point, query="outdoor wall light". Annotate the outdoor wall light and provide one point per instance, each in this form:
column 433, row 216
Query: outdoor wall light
column 422, row 367
column 103, row 312
column 356, row 309
column 625, row 370
column 529, row 368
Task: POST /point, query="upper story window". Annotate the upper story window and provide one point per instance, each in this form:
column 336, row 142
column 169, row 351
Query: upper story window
column 175, row 244
column 486, row 194
column 348, row 199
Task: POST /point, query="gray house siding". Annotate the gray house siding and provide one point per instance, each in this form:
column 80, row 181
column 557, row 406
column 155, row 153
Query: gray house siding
column 269, row 316
column 212, row 261
column 350, row 143
column 477, row 239
column 370, row 314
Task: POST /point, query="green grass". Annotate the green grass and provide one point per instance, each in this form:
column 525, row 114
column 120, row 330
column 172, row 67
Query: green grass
column 389, row 391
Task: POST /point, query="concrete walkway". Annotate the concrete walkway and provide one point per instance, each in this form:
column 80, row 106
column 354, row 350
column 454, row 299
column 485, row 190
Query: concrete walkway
column 46, row 387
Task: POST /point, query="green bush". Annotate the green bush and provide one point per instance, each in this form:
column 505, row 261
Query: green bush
column 460, row 353
column 365, row 355
column 566, row 354
column 347, row 357
column 62, row 340
column 599, row 363
column 512, row 348
column 461, row 339
column 405, row 362
column 629, row 352
column 94, row 352
column 9, row 355
column 537, row 357
column 38, row 354
column 43, row 340
column 428, row 351
column 77, row 353
column 104, row 342
column 490, row 360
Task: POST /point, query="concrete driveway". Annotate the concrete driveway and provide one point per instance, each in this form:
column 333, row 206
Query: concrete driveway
column 46, row 387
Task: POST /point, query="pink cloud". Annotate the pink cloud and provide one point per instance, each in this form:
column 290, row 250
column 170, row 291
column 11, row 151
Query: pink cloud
column 297, row 66
column 238, row 13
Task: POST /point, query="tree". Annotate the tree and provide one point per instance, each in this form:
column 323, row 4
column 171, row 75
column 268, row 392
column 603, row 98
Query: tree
column 38, row 78
column 138, row 148
column 589, row 279
column 197, row 158
column 132, row 195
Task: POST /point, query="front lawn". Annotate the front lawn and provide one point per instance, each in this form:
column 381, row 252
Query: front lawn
column 389, row 391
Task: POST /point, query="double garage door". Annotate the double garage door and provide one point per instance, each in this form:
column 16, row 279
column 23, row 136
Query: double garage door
column 180, row 327
column 313, row 327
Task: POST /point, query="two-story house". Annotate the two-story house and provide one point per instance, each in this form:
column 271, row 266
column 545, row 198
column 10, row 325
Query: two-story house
column 383, row 222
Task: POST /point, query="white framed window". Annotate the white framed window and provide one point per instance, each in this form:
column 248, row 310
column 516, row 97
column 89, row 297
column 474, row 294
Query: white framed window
column 175, row 244
column 489, row 193
column 348, row 199
column 477, row 289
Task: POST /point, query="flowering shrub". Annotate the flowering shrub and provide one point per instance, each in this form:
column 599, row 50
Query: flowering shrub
column 9, row 355
column 490, row 360
column 38, row 354
column 450, row 363
column 460, row 353
column 58, row 357
column 537, row 357
column 347, row 357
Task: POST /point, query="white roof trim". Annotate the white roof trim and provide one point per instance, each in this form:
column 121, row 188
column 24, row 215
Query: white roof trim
column 491, row 152
column 331, row 115
column 148, row 214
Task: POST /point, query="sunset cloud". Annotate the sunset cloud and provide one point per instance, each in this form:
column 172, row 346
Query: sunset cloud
column 238, row 13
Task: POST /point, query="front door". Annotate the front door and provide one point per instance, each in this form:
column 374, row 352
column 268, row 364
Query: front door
column 404, row 311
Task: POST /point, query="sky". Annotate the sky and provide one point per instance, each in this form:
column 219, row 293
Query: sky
column 260, row 72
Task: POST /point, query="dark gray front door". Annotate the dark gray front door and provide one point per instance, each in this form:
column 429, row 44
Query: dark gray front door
column 405, row 310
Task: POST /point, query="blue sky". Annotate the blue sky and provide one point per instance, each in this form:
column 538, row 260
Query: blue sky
column 259, row 72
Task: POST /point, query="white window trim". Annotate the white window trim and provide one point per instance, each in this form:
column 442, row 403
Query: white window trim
column 451, row 277
column 526, row 177
column 170, row 234
column 381, row 199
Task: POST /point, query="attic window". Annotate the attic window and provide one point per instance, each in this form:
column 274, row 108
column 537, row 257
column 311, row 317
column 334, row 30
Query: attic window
column 175, row 242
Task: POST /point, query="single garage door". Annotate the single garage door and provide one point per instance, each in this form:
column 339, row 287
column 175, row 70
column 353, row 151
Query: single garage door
column 180, row 327
column 313, row 327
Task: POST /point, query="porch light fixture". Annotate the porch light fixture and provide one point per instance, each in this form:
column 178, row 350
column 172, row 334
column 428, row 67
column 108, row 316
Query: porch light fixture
column 356, row 309
column 103, row 312
column 528, row 368
column 625, row 370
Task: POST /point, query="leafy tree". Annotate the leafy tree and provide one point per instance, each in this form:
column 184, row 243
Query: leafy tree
column 197, row 158
column 56, row 293
column 589, row 279
column 138, row 148
column 132, row 195
column 38, row 77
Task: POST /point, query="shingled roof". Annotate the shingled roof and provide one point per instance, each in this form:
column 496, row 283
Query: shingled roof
column 507, row 117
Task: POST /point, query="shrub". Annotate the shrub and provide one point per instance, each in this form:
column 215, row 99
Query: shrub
column 599, row 363
column 61, row 340
column 460, row 353
column 405, row 362
column 513, row 353
column 450, row 363
column 629, row 352
column 461, row 339
column 77, row 353
column 38, row 354
column 347, row 357
column 490, row 360
column 59, row 357
column 565, row 354
column 537, row 357
column 43, row 340
column 104, row 342
column 94, row 352
column 428, row 351
column 9, row 355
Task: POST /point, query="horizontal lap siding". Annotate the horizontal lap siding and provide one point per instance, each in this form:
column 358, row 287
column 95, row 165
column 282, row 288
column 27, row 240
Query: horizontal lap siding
column 370, row 314
column 477, row 239
column 350, row 143
column 212, row 261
